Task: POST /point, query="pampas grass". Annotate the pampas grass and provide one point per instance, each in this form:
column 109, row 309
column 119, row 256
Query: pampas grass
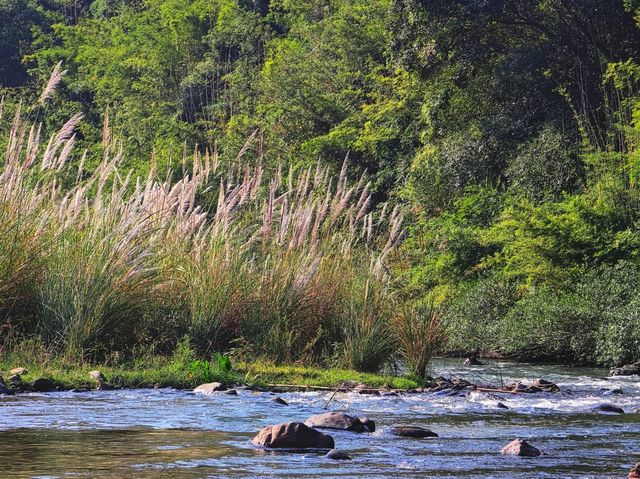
column 278, row 261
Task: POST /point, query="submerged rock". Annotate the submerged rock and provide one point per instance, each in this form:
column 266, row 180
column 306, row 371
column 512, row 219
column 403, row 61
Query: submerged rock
column 635, row 472
column 209, row 388
column 338, row 455
column 293, row 435
column 501, row 405
column 341, row 421
column 522, row 448
column 613, row 392
column 606, row 407
column 627, row 370
column 279, row 400
column 412, row 431
column 43, row 385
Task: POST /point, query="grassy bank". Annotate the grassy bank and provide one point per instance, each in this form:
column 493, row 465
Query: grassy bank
column 158, row 372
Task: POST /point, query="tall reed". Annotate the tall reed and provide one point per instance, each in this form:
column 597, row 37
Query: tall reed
column 278, row 259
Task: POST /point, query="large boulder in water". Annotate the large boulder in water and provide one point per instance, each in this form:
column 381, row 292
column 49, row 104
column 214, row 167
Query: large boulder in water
column 341, row 421
column 417, row 432
column 293, row 435
column 627, row 370
column 209, row 388
column 520, row 447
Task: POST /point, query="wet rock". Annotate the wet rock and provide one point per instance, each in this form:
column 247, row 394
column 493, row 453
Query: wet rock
column 627, row 370
column 293, row 435
column 338, row 455
column 412, row 431
column 545, row 385
column 519, row 447
column 231, row 392
column 4, row 390
column 607, row 408
column 20, row 371
column 634, row 473
column 43, row 385
column 613, row 392
column 15, row 379
column 209, row 388
column 473, row 361
column 502, row 406
column 279, row 400
column 369, row 391
column 338, row 420
column 79, row 390
column 389, row 394
column 369, row 424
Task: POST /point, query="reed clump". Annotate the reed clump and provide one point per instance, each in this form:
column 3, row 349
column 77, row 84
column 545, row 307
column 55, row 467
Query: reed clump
column 96, row 263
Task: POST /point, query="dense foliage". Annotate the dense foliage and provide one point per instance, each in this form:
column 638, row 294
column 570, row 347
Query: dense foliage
column 506, row 129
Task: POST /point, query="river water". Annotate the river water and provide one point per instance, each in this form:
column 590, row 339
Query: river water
column 176, row 434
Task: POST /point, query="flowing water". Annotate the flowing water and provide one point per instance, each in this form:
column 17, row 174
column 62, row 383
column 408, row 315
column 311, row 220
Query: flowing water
column 176, row 434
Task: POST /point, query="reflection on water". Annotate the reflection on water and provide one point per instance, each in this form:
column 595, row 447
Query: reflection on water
column 176, row 434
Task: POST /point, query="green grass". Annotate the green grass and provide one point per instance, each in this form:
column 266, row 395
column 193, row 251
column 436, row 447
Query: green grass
column 166, row 372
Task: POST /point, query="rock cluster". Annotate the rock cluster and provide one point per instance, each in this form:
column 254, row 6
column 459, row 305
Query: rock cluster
column 627, row 370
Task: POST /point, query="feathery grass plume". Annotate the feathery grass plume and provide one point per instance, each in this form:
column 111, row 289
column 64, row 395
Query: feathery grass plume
column 54, row 80
column 285, row 261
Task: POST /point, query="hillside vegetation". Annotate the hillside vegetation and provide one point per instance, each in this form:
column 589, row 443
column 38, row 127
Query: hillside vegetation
column 334, row 182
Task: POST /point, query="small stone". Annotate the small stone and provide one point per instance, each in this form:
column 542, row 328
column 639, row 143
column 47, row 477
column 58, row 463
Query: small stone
column 519, row 447
column 43, row 385
column 608, row 408
column 279, row 400
column 231, row 392
column 338, row 455
column 209, row 388
column 97, row 376
column 502, row 406
column 20, row 371
column 417, row 432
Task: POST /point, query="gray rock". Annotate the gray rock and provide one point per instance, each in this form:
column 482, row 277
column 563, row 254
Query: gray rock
column 607, row 408
column 338, row 420
column 417, row 432
column 279, row 400
column 502, row 406
column 209, row 388
column 231, row 392
column 519, row 447
column 20, row 371
column 613, row 392
column 338, row 455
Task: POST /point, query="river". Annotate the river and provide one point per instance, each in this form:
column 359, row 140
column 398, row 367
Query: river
column 167, row 433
